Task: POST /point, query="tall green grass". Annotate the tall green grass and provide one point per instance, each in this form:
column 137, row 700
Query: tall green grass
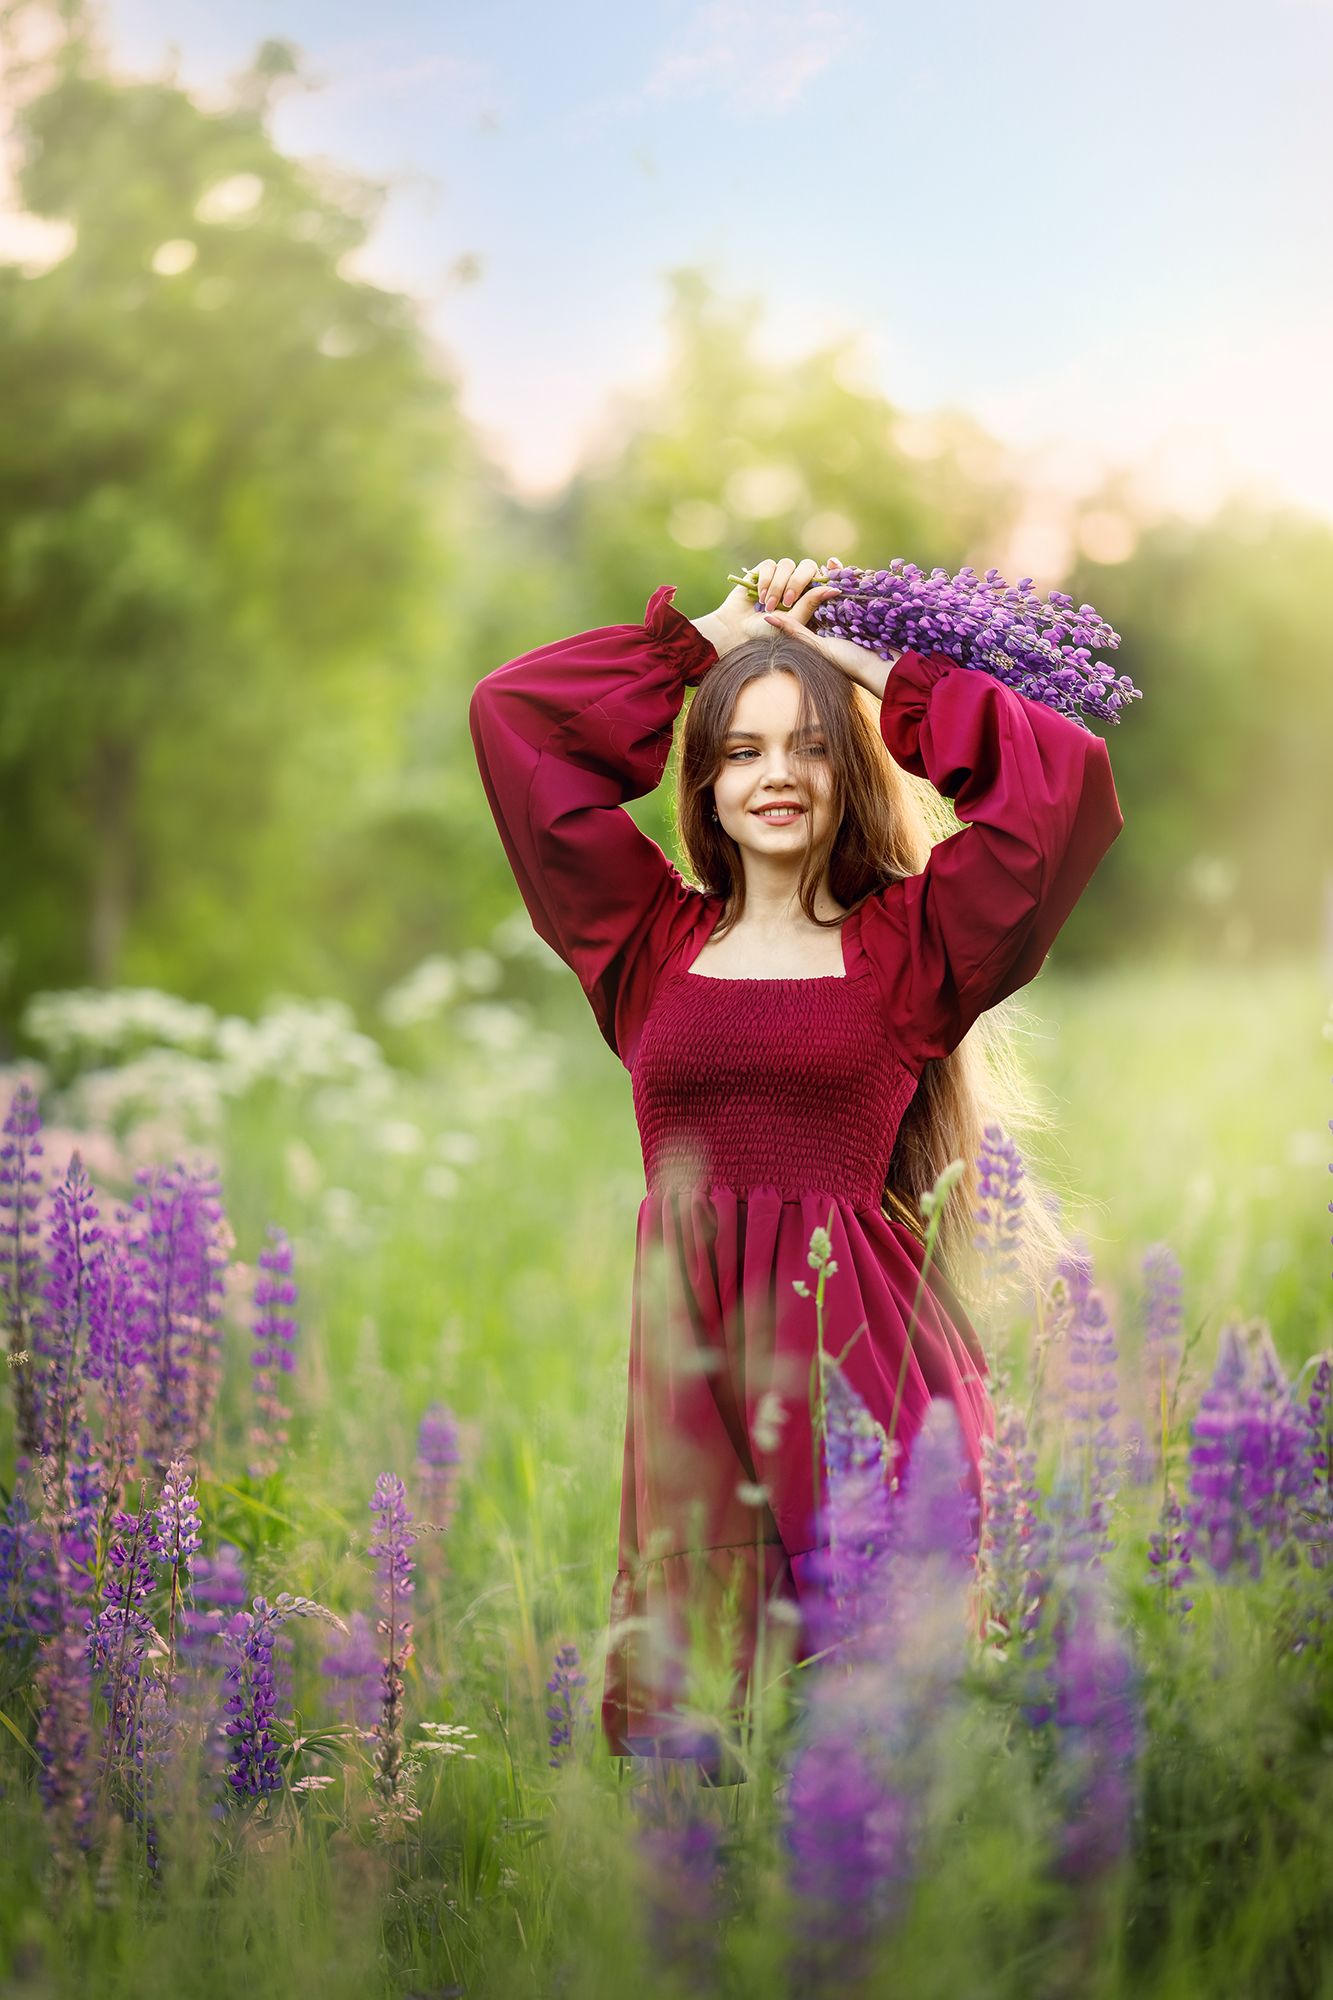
column 1189, row 1105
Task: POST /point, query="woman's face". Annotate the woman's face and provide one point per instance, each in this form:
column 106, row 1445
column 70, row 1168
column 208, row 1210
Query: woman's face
column 764, row 766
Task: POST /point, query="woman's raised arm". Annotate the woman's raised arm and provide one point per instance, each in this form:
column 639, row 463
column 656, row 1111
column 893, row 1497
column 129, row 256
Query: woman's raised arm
column 564, row 736
column 1040, row 804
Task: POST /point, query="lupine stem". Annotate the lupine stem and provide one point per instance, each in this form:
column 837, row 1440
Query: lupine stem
column 932, row 1205
column 820, row 1258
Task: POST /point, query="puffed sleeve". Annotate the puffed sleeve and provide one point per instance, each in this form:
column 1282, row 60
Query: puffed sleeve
column 563, row 736
column 1036, row 792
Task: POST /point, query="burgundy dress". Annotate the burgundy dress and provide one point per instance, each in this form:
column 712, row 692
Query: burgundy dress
column 768, row 1107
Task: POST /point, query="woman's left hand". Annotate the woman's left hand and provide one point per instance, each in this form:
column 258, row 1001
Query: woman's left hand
column 794, row 595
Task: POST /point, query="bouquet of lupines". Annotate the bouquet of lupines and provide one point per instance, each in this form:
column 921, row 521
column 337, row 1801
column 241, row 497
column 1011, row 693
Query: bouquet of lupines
column 1041, row 647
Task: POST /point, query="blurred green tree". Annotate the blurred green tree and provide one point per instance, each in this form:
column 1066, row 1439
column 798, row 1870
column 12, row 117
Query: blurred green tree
column 1223, row 772
column 252, row 561
column 224, row 515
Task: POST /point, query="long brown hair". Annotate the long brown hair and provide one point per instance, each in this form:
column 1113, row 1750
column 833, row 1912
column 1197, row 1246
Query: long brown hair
column 881, row 827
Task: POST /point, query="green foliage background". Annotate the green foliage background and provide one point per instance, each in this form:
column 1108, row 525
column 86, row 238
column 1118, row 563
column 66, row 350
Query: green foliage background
column 252, row 561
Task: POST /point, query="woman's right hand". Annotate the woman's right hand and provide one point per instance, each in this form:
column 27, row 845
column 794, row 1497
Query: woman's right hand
column 740, row 616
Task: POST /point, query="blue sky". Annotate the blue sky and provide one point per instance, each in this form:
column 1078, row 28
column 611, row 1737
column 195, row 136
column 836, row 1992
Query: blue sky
column 1103, row 230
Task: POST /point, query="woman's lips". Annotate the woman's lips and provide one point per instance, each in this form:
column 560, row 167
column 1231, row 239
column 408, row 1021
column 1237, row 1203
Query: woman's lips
column 776, row 816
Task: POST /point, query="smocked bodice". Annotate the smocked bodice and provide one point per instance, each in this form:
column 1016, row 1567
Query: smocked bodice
column 784, row 1084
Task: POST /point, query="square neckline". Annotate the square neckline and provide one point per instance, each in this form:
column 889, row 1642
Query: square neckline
column 763, row 979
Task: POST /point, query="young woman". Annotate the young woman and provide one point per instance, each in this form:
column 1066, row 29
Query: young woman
column 797, row 1031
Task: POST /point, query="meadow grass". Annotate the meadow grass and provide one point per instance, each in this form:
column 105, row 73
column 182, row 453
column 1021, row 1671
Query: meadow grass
column 1190, row 1105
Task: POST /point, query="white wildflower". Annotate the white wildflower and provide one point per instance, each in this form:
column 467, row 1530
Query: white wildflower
column 422, row 994
column 769, row 1418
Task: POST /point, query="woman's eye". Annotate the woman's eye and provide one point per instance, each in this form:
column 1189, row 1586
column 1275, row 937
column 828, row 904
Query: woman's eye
column 807, row 749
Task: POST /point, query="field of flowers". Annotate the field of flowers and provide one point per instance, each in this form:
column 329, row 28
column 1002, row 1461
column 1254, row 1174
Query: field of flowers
column 316, row 1350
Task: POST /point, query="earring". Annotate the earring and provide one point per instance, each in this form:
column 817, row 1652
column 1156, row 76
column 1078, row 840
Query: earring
column 715, row 815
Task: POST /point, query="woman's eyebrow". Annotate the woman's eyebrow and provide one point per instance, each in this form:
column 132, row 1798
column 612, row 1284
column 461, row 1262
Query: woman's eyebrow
column 754, row 735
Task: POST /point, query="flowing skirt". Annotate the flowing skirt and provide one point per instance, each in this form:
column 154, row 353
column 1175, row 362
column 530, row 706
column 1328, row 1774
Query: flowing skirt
column 718, row 1521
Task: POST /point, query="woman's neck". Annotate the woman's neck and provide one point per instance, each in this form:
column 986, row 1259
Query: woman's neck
column 772, row 905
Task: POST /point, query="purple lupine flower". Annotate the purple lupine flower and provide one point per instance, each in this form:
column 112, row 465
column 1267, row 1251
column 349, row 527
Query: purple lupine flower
column 1280, row 1499
column 1162, row 1327
column 1171, row 1554
column 178, row 1542
column 208, row 1629
column 1086, row 1487
column 274, row 1350
column 254, row 1758
column 1249, row 1467
column 180, row 1246
column 16, row 1555
column 119, row 1640
column 394, row 1537
column 436, row 1467
column 20, row 1262
column 86, row 1487
column 219, row 1593
column 998, row 1214
column 856, row 1514
column 920, row 1619
column 567, row 1706
column 1016, row 1537
column 156, row 1740
column 680, row 1851
column 74, row 1288
column 1043, row 649
column 1137, row 1453
column 74, row 1497
column 254, row 1768
column 1315, row 1525
column 1096, row 1717
column 357, row 1674
column 1215, row 1473
column 847, row 1830
column 129, row 1567
column 114, row 1354
column 62, row 1687
column 870, row 1738
column 936, row 1511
